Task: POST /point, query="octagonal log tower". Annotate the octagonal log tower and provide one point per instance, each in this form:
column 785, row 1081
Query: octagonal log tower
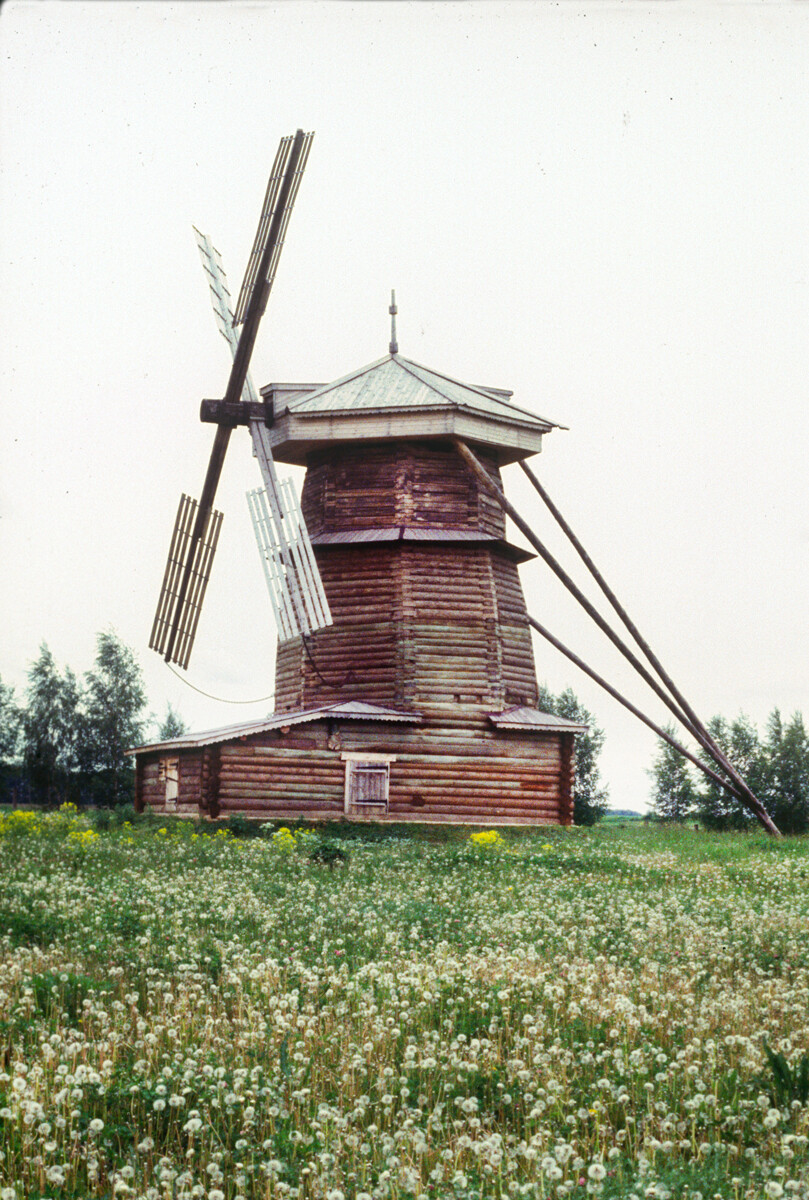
column 428, row 609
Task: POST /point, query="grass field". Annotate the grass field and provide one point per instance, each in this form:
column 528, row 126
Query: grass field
column 547, row 1014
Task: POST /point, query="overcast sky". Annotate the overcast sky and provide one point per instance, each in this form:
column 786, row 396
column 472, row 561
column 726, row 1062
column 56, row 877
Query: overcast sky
column 603, row 207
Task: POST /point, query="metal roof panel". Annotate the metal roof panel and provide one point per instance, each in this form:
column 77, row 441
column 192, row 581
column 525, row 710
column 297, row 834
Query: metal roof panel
column 394, row 382
column 421, row 534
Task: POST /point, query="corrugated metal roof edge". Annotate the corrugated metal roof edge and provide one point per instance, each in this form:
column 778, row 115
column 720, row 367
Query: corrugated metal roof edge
column 420, row 536
column 348, row 711
column 508, row 719
column 518, row 416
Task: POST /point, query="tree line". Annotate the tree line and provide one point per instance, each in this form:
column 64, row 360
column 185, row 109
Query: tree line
column 775, row 765
column 66, row 741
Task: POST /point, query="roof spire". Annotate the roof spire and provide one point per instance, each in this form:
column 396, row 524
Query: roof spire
column 394, row 345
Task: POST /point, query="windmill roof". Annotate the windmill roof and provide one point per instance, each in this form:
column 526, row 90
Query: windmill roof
column 352, row 710
column 395, row 397
column 394, row 382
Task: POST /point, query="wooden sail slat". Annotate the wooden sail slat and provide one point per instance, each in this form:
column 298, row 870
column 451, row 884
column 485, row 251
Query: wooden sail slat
column 180, row 627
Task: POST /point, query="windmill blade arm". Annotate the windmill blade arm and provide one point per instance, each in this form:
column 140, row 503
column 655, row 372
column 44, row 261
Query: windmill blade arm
column 184, row 582
column 215, row 464
column 178, row 611
column 290, row 163
column 257, row 301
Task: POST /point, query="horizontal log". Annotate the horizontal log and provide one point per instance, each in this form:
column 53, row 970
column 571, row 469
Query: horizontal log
column 494, row 777
column 269, row 760
column 279, row 754
column 483, row 814
column 404, row 779
column 308, row 777
column 478, row 795
column 278, row 748
column 268, row 783
column 282, row 812
column 325, row 787
column 400, row 783
column 409, row 758
column 257, row 798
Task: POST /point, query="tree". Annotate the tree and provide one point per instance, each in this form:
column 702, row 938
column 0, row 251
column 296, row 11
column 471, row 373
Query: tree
column 172, row 725
column 673, row 794
column 590, row 796
column 740, row 742
column 786, row 794
column 777, row 771
column 115, row 699
column 10, row 728
column 51, row 729
column 10, row 719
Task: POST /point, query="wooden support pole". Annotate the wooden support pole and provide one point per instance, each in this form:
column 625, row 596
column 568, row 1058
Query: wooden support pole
column 563, row 576
column 706, row 741
column 747, row 797
column 616, row 695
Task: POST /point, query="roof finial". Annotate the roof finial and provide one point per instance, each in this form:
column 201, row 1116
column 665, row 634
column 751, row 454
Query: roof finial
column 394, row 346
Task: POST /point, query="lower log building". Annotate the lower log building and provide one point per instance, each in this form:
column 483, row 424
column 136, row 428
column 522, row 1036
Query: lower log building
column 419, row 702
column 366, row 761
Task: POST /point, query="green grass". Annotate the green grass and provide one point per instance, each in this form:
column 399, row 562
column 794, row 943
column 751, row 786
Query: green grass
column 565, row 1012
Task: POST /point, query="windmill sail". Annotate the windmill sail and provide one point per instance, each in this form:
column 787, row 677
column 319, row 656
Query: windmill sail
column 197, row 556
column 275, row 203
column 178, row 608
column 293, row 581
column 221, row 302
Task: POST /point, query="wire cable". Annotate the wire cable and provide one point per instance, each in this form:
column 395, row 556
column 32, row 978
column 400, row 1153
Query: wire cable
column 219, row 699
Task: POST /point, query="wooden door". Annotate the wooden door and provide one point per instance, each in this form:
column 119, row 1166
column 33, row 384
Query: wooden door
column 171, row 772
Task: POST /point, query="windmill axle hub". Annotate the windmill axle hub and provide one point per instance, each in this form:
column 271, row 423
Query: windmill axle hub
column 223, row 412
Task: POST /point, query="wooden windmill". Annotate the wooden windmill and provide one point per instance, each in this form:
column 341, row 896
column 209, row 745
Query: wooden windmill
column 296, row 592
column 417, row 699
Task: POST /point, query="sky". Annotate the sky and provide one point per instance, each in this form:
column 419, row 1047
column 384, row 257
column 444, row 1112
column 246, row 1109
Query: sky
column 602, row 207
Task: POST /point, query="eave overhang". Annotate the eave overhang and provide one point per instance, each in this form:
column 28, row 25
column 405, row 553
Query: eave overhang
column 351, row 710
column 531, row 720
column 296, row 435
column 422, row 535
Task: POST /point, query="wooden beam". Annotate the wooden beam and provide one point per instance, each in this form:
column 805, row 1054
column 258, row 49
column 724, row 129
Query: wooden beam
column 736, row 786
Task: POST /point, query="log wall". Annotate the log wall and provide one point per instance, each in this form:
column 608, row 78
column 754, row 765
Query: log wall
column 414, row 624
column 438, row 773
column 385, row 484
column 517, row 671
